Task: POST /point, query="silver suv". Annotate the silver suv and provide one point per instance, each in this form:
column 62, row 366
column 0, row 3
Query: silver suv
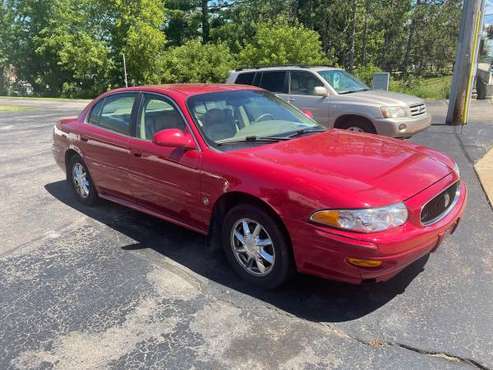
column 337, row 99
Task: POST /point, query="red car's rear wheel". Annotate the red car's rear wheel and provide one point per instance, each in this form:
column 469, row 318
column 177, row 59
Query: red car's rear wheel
column 81, row 181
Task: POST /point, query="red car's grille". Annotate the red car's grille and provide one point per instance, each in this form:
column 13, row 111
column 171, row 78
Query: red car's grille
column 438, row 207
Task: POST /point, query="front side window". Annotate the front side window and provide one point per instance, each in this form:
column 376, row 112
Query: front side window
column 157, row 114
column 275, row 81
column 304, row 83
column 246, row 115
column 114, row 113
column 342, row 82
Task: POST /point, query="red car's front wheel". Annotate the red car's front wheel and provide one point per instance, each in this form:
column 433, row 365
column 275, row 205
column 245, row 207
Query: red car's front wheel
column 256, row 246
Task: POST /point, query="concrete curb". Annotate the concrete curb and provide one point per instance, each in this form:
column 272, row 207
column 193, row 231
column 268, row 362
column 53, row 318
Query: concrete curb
column 484, row 169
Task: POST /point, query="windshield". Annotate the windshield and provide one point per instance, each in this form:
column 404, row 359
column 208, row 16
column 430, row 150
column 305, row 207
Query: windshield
column 342, row 82
column 247, row 115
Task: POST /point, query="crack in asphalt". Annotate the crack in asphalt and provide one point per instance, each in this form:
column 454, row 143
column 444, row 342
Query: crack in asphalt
column 222, row 296
column 377, row 343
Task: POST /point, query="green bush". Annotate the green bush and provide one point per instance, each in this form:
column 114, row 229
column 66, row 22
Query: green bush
column 280, row 43
column 195, row 62
column 365, row 73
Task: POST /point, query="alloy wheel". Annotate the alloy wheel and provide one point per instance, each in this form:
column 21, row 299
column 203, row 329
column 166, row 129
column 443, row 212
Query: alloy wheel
column 252, row 247
column 80, row 180
column 355, row 129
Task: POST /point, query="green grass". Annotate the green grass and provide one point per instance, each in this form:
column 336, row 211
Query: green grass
column 427, row 88
column 13, row 108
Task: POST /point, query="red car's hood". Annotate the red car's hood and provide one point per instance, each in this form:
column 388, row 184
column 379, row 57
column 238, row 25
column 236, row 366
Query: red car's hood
column 371, row 168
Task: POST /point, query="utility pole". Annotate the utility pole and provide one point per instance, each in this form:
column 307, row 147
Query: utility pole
column 465, row 62
column 125, row 70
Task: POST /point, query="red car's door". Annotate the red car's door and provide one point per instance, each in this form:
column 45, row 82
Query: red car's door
column 104, row 142
column 164, row 179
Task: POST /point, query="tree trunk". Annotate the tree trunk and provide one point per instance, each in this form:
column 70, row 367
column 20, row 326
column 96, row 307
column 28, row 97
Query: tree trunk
column 353, row 38
column 409, row 44
column 205, row 21
column 365, row 33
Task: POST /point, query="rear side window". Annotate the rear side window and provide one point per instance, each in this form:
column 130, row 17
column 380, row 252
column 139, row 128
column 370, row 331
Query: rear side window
column 95, row 112
column 114, row 113
column 275, row 81
column 245, row 78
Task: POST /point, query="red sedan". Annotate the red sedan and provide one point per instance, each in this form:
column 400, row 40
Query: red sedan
column 276, row 190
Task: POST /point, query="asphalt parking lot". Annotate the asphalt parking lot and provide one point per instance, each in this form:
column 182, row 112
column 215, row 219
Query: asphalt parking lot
column 110, row 287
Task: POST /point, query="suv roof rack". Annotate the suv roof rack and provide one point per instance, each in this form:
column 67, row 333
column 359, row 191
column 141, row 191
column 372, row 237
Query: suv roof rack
column 242, row 68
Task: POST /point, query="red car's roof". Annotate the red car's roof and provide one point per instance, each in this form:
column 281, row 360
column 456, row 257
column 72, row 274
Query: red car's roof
column 190, row 89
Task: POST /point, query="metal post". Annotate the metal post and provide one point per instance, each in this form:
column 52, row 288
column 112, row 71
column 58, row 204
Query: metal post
column 465, row 62
column 125, row 70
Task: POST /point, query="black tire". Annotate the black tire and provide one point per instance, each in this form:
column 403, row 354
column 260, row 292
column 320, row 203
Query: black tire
column 282, row 267
column 355, row 124
column 92, row 197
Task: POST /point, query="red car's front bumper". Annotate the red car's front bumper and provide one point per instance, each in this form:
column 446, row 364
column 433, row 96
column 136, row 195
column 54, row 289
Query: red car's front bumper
column 324, row 251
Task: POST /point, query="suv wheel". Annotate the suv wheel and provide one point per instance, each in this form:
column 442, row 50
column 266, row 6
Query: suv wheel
column 256, row 246
column 358, row 126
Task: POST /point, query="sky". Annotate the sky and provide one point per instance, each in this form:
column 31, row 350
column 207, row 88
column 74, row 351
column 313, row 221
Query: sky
column 489, row 12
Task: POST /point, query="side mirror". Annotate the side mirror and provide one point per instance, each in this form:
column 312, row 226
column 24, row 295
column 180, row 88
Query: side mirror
column 308, row 113
column 320, row 91
column 174, row 138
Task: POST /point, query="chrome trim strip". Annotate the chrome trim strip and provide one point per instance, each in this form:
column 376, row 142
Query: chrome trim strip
column 447, row 211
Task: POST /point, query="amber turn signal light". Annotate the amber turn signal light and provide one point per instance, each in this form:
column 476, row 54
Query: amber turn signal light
column 359, row 262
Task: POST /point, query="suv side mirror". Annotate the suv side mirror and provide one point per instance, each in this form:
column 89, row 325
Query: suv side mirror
column 320, row 91
column 172, row 137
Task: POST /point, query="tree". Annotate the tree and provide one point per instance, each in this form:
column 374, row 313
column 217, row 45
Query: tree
column 279, row 43
column 197, row 62
column 75, row 47
column 5, row 44
column 137, row 33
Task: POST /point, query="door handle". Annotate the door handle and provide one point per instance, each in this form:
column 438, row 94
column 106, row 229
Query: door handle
column 291, row 99
column 137, row 154
column 84, row 138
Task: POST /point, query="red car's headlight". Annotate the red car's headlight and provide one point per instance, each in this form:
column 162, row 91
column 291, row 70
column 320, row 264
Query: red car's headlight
column 363, row 220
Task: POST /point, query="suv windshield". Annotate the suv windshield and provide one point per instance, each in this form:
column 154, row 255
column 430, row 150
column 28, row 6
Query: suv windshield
column 247, row 116
column 342, row 82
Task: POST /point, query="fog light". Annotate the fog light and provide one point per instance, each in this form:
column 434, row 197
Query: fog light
column 402, row 127
column 358, row 262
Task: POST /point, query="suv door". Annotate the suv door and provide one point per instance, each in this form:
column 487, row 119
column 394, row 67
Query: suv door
column 165, row 180
column 104, row 142
column 276, row 82
column 301, row 94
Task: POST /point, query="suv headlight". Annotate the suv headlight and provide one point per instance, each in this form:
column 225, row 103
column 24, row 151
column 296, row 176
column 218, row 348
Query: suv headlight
column 393, row 112
column 366, row 220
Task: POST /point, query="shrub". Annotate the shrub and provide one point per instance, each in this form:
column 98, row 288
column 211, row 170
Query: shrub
column 365, row 73
column 280, row 43
column 195, row 62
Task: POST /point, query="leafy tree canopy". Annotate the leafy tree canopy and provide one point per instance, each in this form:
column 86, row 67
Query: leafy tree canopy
column 75, row 47
column 280, row 43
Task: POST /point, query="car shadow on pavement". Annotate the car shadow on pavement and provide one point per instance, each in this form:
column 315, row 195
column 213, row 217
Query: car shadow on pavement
column 307, row 297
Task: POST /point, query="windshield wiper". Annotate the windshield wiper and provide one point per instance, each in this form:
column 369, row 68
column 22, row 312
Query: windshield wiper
column 253, row 139
column 305, row 131
column 352, row 91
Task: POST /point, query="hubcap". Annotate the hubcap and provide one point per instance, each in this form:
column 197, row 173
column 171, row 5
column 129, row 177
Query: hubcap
column 80, row 180
column 252, row 247
column 355, row 129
